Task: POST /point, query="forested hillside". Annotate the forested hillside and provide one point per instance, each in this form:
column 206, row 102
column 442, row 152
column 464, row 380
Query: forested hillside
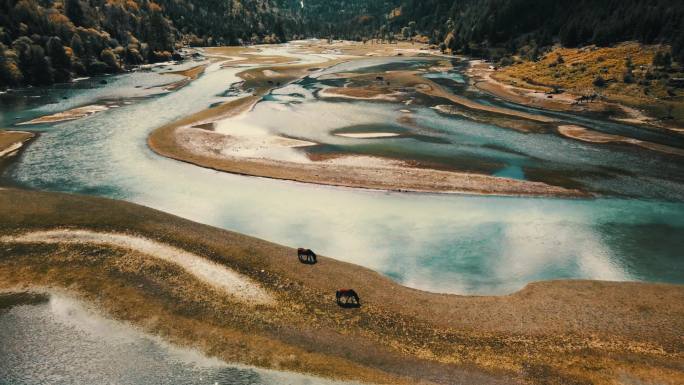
column 44, row 41
column 468, row 25
column 495, row 27
column 348, row 19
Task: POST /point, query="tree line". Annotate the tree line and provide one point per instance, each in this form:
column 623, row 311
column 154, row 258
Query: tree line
column 493, row 28
column 47, row 41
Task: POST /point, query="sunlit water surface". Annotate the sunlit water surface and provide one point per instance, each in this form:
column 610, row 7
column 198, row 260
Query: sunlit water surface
column 445, row 243
column 62, row 342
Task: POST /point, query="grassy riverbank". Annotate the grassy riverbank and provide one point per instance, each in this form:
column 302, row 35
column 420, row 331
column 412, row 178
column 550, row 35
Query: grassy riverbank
column 550, row 332
column 625, row 77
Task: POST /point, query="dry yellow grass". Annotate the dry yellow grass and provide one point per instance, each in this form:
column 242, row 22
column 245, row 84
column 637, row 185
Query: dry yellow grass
column 580, row 67
column 570, row 332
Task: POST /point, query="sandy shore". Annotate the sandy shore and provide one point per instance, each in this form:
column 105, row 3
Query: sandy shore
column 207, row 149
column 359, row 94
column 367, row 135
column 519, row 124
column 183, row 141
column 72, row 114
column 234, row 284
column 433, row 89
column 550, row 332
column 396, row 80
column 190, row 74
column 516, row 90
column 586, row 135
column 482, row 77
column 12, row 141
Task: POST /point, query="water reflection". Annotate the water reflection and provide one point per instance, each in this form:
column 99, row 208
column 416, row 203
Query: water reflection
column 62, row 342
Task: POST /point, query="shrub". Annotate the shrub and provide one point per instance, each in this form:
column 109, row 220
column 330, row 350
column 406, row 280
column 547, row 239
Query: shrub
column 662, row 59
column 506, row 61
column 10, row 74
column 600, row 81
column 109, row 58
column 133, row 56
column 78, row 67
column 97, row 67
column 160, row 56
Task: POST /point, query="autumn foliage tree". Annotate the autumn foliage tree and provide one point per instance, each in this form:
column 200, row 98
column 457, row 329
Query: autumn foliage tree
column 46, row 40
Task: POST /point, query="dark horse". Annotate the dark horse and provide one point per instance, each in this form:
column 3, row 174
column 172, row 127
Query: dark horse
column 347, row 298
column 306, row 256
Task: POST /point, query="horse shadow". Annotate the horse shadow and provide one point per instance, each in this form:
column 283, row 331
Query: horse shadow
column 307, row 257
column 308, row 260
column 348, row 305
column 347, row 298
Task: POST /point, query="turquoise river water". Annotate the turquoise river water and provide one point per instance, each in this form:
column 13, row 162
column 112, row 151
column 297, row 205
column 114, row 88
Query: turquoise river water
column 445, row 243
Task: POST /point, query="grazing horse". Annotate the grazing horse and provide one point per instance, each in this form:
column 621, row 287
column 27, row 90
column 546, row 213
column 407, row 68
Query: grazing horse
column 587, row 98
column 581, row 99
column 347, row 298
column 306, row 256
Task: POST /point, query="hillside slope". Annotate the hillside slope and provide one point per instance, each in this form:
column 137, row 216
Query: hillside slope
column 42, row 42
column 476, row 26
column 46, row 41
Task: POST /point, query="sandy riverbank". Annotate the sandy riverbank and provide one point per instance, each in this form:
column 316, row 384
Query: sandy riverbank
column 184, row 141
column 367, row 135
column 365, row 87
column 359, row 94
column 549, row 332
column 12, row 141
column 434, row 89
column 72, row 114
column 208, row 149
column 481, row 75
column 189, row 75
column 224, row 279
column 586, row 135
column 557, row 79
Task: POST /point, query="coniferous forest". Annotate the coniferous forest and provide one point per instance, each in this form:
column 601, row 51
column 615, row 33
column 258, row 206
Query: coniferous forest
column 46, row 41
column 470, row 26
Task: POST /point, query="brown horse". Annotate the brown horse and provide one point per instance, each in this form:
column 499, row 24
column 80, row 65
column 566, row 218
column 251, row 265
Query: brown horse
column 306, row 256
column 347, row 298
